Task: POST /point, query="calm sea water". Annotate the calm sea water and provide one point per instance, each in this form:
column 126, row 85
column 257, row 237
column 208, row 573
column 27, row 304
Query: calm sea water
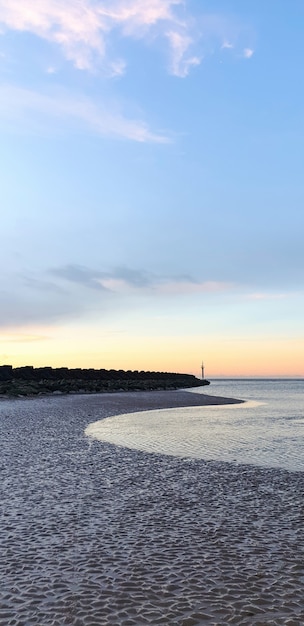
column 280, row 394
column 268, row 430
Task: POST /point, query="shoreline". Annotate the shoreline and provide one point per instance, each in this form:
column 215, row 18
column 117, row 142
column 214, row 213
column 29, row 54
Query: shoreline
column 135, row 401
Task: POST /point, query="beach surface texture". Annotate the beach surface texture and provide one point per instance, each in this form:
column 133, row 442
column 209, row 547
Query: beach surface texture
column 94, row 534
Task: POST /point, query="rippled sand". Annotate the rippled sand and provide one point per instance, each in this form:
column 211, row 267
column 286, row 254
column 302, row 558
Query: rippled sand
column 92, row 534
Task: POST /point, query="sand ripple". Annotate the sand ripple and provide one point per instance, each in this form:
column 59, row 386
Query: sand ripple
column 96, row 535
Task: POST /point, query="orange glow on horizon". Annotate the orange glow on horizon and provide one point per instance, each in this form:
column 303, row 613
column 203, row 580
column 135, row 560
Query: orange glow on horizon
column 234, row 357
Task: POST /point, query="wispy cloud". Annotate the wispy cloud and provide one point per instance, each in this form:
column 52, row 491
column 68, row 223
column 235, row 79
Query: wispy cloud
column 76, row 27
column 80, row 275
column 85, row 30
column 181, row 62
column 74, row 291
column 100, row 118
column 248, row 53
column 118, row 279
column 227, row 45
column 124, row 280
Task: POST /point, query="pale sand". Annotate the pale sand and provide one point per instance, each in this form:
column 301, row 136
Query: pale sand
column 98, row 535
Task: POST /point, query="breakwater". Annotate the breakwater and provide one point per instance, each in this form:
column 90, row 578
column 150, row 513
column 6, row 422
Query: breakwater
column 28, row 380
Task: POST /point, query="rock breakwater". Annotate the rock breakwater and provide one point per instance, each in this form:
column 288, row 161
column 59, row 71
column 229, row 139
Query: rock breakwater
column 29, row 381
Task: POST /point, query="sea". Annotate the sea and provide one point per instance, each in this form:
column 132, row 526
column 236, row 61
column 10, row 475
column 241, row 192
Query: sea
column 267, row 430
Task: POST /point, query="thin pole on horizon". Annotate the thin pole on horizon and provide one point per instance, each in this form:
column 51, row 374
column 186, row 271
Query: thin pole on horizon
column 203, row 370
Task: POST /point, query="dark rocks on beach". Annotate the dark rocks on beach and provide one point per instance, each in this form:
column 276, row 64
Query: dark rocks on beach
column 28, row 381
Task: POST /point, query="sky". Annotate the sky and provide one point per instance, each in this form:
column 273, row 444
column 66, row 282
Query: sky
column 151, row 185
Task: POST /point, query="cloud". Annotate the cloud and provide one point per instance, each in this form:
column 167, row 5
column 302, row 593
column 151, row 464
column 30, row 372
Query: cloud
column 227, row 45
column 117, row 280
column 101, row 280
column 125, row 280
column 135, row 278
column 85, row 30
column 101, row 118
column 76, row 27
column 75, row 291
column 79, row 275
column 248, row 53
column 180, row 62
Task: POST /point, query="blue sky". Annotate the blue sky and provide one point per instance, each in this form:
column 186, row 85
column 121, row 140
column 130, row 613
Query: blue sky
column 151, row 185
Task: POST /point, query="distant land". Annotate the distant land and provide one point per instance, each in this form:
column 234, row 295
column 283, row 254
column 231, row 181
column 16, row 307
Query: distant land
column 29, row 381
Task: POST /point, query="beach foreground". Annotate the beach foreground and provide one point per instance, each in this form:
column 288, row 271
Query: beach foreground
column 93, row 534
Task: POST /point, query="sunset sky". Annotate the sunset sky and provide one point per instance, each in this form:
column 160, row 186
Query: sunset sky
column 152, row 185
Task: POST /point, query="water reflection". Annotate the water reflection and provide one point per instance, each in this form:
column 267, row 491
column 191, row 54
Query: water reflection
column 244, row 433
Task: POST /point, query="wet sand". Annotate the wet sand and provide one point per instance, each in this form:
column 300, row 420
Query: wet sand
column 92, row 534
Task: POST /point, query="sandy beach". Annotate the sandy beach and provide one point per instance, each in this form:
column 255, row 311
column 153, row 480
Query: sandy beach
column 98, row 535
